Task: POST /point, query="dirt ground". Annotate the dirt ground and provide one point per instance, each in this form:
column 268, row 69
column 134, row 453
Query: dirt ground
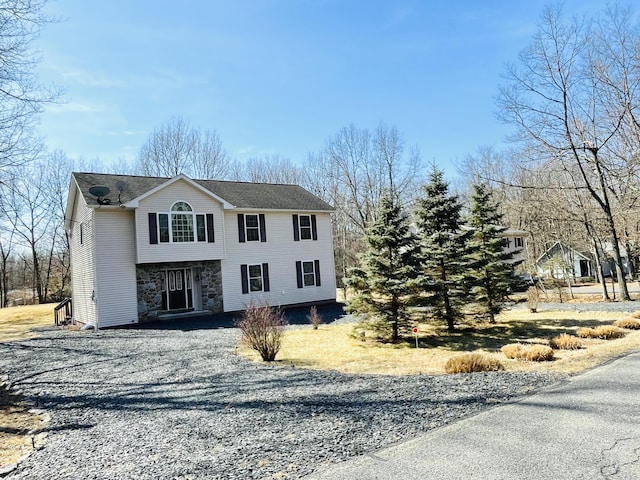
column 21, row 429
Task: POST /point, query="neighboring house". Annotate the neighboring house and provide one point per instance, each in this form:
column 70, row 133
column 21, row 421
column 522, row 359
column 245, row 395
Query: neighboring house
column 516, row 243
column 561, row 261
column 143, row 246
column 608, row 263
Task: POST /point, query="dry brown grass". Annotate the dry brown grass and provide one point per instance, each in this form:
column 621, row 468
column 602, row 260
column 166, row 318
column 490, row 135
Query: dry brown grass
column 565, row 341
column 334, row 347
column 17, row 323
column 529, row 353
column 603, row 332
column 473, row 362
column 630, row 323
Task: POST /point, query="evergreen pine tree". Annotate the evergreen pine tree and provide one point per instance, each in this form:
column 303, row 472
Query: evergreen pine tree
column 384, row 283
column 443, row 250
column 493, row 273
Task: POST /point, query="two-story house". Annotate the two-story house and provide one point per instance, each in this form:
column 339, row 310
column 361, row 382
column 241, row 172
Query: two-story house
column 516, row 244
column 144, row 246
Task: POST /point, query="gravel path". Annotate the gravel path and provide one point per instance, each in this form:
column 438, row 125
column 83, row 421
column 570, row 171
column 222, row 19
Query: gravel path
column 180, row 404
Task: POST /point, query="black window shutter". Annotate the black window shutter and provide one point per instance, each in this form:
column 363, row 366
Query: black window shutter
column 314, row 228
column 263, row 230
column 296, row 229
column 299, row 274
column 153, row 228
column 316, row 268
column 244, row 274
column 241, row 228
column 210, row 233
column 265, row 277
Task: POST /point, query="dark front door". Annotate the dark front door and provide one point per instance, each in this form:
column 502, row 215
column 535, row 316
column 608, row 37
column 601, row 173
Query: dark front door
column 179, row 288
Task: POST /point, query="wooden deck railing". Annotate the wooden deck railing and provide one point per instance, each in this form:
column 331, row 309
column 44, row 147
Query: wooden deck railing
column 63, row 312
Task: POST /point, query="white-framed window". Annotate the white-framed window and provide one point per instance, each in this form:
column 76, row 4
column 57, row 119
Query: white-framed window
column 305, row 227
column 519, row 242
column 182, row 222
column 252, row 228
column 308, row 273
column 181, row 225
column 255, row 277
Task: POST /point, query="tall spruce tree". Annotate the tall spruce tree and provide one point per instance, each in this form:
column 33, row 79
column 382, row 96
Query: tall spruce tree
column 384, row 283
column 493, row 271
column 443, row 244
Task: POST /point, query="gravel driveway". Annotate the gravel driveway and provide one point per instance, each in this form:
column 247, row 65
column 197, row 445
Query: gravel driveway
column 178, row 403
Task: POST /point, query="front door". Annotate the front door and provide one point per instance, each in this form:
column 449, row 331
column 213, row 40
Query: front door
column 179, row 289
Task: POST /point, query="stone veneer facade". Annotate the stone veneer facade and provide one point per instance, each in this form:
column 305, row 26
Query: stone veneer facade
column 151, row 286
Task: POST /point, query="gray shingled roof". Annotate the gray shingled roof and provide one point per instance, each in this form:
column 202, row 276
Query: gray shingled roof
column 241, row 194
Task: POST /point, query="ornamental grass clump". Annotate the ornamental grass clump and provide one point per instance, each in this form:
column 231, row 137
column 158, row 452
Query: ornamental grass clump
column 630, row 323
column 565, row 342
column 603, row 332
column 473, row 362
column 530, row 353
column 262, row 328
column 315, row 319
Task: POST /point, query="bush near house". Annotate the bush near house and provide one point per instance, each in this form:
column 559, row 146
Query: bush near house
column 262, row 328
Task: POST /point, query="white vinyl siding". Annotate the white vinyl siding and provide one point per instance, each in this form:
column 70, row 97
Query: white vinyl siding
column 280, row 252
column 82, row 263
column 161, row 202
column 116, row 296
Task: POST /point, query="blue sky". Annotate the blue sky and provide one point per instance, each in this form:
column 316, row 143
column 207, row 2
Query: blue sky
column 281, row 76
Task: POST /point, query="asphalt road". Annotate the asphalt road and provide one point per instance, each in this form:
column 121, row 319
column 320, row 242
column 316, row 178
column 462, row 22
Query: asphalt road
column 596, row 288
column 588, row 427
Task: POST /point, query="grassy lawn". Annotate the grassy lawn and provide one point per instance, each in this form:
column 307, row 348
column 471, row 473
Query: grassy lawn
column 16, row 421
column 342, row 348
column 17, row 322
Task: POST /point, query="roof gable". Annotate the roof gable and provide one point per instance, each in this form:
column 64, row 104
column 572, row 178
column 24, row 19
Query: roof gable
column 233, row 195
column 560, row 249
column 135, row 202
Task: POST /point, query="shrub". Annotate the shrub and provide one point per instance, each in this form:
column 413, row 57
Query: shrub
column 604, row 332
column 628, row 323
column 262, row 329
column 531, row 353
column 565, row 342
column 636, row 314
column 533, row 298
column 472, row 362
column 314, row 318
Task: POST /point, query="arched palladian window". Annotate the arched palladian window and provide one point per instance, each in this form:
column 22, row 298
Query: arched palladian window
column 182, row 222
column 181, row 225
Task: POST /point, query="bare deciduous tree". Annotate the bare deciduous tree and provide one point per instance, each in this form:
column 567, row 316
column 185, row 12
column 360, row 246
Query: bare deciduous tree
column 27, row 205
column 351, row 173
column 22, row 97
column 176, row 147
column 567, row 113
column 270, row 169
